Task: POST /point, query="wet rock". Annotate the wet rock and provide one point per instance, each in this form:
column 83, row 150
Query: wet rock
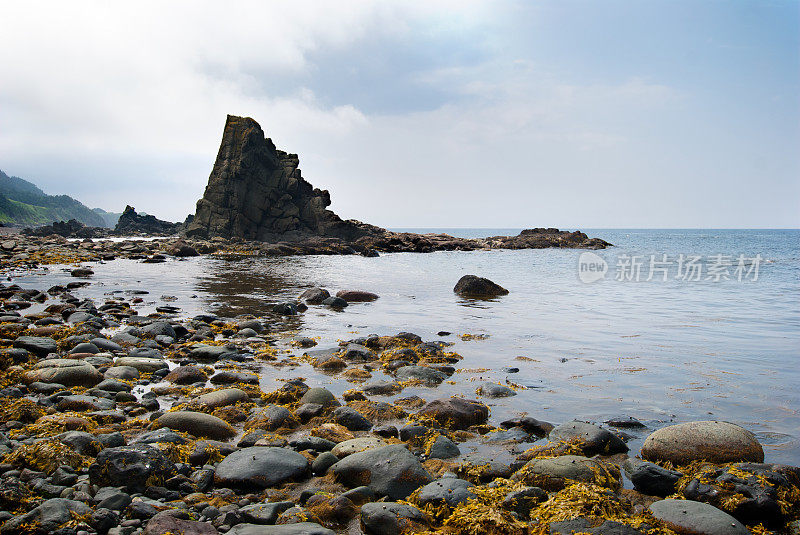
column 38, row 345
column 355, row 445
column 124, row 373
column 130, row 467
column 186, row 375
column 356, row 296
column 164, row 435
column 272, row 417
column 456, row 413
column 84, row 403
column 198, row 424
column 323, row 461
column 166, row 523
column 333, row 432
column 67, row 372
column 113, row 498
column 222, row 398
column 478, row 287
column 423, row 374
column 381, row 388
column 288, row 308
column 320, row 396
column 390, row 518
column 206, row 353
column 449, row 491
column 227, row 377
column 260, row 467
column 47, row 517
column 306, row 411
column 625, row 422
column 651, row 479
column 443, row 448
column 688, row 517
column 357, row 352
column 331, row 509
column 314, row 296
column 523, row 500
column 712, row 441
column 748, row 491
column 494, row 390
column 142, row 364
column 84, row 347
column 351, row 419
column 264, row 513
column 582, row 525
column 592, row 439
column 335, row 302
column 81, row 442
column 555, row 473
column 300, row 528
column 312, row 443
column 159, row 328
column 389, row 471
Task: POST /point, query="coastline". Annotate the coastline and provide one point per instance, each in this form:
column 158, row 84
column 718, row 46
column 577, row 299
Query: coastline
column 214, row 367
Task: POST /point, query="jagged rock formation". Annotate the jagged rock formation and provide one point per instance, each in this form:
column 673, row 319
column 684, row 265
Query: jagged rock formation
column 68, row 229
column 130, row 223
column 256, row 192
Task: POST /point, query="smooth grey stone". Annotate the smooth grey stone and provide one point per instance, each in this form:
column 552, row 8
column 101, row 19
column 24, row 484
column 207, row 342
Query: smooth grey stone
column 260, row 466
column 686, row 516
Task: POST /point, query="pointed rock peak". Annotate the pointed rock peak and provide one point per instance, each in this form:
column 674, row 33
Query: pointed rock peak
column 257, row 192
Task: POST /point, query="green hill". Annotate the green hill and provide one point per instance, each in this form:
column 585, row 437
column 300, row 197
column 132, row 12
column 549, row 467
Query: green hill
column 24, row 204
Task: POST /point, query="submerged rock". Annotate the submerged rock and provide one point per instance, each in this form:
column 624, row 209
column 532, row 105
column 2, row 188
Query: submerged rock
column 474, row 286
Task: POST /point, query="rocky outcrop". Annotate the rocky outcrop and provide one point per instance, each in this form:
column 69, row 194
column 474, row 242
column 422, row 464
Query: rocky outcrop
column 257, row 192
column 130, row 223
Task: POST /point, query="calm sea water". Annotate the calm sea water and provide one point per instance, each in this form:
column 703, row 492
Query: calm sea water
column 661, row 351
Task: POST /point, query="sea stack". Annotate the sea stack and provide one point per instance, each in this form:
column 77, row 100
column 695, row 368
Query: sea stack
column 256, row 192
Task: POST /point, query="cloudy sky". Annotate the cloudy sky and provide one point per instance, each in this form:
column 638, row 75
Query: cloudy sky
column 568, row 113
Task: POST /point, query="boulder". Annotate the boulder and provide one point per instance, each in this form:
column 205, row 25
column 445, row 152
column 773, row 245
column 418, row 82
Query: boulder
column 260, row 467
column 478, row 287
column 554, row 473
column 67, row 372
column 696, row 518
column 131, row 467
column 314, row 296
column 38, row 345
column 142, row 364
column 198, row 424
column 166, row 524
column 222, row 398
column 712, row 441
column 319, row 396
column 356, row 296
column 47, row 517
column 448, row 491
column 186, row 375
column 391, row 471
column 263, row 513
column 592, row 439
column 391, row 518
column 423, row 374
column 455, row 412
column 355, row 445
column 300, row 528
column 494, row 390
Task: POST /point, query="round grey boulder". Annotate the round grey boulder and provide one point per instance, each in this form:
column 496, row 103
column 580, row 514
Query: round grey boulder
column 712, row 441
column 448, row 491
column 391, row 471
column 198, row 424
column 67, row 372
column 390, row 518
column 260, row 467
column 696, row 518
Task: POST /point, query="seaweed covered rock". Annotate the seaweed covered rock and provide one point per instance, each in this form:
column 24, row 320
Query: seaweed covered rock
column 591, row 439
column 133, row 467
column 46, row 518
column 455, row 412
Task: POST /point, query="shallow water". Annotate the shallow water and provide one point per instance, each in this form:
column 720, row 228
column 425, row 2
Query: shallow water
column 662, row 351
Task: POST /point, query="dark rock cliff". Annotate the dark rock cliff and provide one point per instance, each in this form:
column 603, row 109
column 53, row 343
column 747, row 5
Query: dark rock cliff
column 256, row 192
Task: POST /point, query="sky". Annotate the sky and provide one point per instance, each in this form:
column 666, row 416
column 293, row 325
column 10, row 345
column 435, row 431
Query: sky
column 560, row 113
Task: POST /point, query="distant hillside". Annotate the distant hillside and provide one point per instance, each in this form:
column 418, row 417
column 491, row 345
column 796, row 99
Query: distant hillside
column 24, row 204
column 110, row 218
